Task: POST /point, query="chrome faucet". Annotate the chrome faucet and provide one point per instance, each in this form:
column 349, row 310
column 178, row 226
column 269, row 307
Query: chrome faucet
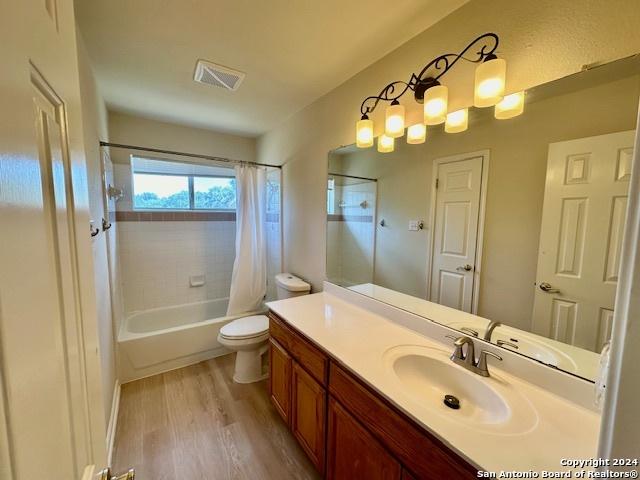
column 492, row 326
column 467, row 359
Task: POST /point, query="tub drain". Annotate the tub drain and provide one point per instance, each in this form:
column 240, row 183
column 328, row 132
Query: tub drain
column 452, row 402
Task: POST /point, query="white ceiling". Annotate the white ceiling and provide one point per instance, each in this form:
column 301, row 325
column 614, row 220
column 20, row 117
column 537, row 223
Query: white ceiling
column 293, row 51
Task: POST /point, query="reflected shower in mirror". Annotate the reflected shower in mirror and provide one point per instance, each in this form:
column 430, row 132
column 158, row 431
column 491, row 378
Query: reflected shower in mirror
column 515, row 225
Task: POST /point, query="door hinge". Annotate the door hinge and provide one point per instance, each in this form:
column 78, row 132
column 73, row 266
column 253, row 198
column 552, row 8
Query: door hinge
column 437, row 183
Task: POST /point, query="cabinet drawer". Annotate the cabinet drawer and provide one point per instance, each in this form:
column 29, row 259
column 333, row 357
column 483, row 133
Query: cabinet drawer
column 421, row 453
column 310, row 357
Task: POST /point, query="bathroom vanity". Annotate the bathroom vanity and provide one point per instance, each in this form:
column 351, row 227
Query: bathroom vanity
column 363, row 395
column 327, row 407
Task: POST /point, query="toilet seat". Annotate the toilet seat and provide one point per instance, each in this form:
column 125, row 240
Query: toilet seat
column 246, row 328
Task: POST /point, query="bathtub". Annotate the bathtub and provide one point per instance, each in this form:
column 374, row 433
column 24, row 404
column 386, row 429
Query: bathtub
column 162, row 339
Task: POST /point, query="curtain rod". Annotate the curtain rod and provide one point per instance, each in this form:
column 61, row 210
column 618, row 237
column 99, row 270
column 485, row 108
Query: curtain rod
column 352, row 176
column 184, row 154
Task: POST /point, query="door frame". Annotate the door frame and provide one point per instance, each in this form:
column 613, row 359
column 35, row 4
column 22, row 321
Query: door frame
column 484, row 180
column 619, row 434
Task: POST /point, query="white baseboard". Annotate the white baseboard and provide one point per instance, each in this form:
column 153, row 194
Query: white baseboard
column 113, row 421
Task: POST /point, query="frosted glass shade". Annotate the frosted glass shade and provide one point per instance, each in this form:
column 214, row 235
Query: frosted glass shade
column 385, row 144
column 457, row 121
column 490, row 80
column 364, row 133
column 394, row 121
column 510, row 106
column 435, row 104
column 416, row 133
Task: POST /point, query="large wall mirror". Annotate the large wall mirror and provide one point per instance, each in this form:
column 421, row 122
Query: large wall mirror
column 514, row 225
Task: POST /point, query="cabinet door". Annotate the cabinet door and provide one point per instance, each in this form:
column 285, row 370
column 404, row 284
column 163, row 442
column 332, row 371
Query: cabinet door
column 353, row 452
column 308, row 404
column 280, row 379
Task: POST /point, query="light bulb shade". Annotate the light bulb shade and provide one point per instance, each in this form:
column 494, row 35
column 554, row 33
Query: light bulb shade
column 435, row 104
column 510, row 106
column 416, row 133
column 364, row 133
column 457, row 121
column 490, row 81
column 385, row 144
column 394, row 121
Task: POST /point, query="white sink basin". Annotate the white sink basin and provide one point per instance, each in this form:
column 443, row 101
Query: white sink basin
column 425, row 375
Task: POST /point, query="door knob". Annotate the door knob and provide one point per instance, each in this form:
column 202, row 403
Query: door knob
column 466, row 268
column 106, row 475
column 546, row 287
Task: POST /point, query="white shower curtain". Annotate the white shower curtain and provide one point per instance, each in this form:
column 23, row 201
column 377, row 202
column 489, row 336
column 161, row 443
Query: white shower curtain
column 249, row 278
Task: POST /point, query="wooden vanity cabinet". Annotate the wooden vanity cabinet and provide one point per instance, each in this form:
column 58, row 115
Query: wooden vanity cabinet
column 308, row 413
column 297, row 385
column 352, row 452
column 280, row 365
column 347, row 429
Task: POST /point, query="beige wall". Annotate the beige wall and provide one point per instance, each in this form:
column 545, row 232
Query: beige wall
column 94, row 116
column 518, row 158
column 132, row 130
column 542, row 41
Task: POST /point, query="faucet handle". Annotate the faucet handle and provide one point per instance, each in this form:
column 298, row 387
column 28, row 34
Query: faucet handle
column 458, row 353
column 470, row 331
column 502, row 343
column 482, row 362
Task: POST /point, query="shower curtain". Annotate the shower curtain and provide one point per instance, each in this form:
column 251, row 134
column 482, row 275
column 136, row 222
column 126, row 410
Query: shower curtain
column 249, row 277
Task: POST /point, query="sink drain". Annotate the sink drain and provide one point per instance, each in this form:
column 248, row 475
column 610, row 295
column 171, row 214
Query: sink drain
column 452, row 402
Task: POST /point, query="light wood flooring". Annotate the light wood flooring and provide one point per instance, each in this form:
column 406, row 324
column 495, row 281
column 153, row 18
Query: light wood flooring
column 195, row 423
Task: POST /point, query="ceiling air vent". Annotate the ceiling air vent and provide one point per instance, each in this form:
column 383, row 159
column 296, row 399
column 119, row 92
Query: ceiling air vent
column 217, row 75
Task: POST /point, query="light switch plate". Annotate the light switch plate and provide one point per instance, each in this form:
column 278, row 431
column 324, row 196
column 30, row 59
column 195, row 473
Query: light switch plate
column 414, row 225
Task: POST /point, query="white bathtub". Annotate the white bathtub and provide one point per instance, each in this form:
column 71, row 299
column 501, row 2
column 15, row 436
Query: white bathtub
column 162, row 339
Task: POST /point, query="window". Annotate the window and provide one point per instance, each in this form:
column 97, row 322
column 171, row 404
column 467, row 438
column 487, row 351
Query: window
column 155, row 190
column 218, row 193
column 159, row 184
column 331, row 196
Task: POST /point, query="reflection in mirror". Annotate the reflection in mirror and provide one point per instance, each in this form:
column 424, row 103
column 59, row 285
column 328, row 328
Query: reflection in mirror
column 510, row 231
column 351, row 205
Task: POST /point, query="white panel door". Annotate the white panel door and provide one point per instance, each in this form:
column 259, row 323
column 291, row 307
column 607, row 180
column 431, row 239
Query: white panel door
column 455, row 233
column 581, row 236
column 47, row 427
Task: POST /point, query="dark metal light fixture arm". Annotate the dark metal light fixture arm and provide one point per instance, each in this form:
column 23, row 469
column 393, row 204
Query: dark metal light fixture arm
column 438, row 66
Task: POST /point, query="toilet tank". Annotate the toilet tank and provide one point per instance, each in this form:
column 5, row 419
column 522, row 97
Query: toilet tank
column 291, row 286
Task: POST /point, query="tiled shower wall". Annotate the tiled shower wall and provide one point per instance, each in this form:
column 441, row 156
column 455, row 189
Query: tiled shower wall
column 158, row 255
column 351, row 234
column 157, row 258
column 273, row 230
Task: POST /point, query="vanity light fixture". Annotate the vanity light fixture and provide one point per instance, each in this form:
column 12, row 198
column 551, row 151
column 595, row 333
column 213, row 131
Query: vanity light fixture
column 427, row 89
column 510, row 106
column 385, row 143
column 364, row 132
column 394, row 120
column 457, row 121
column 416, row 133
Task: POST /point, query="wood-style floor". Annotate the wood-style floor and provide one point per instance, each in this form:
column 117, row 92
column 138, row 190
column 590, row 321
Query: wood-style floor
column 195, row 423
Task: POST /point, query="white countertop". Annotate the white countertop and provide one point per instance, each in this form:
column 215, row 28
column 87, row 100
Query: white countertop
column 359, row 339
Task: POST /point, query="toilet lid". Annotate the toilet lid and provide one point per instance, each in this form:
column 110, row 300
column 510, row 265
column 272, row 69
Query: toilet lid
column 246, row 327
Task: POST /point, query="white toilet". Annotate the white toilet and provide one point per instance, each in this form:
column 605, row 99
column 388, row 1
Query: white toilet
column 249, row 336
